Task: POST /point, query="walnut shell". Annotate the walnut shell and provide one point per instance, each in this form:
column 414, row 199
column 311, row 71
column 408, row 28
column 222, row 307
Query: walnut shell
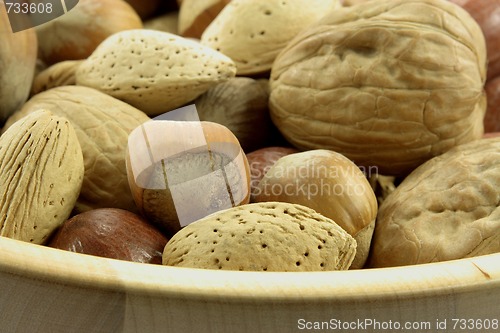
column 271, row 236
column 387, row 83
column 102, row 124
column 41, row 173
column 60, row 74
column 448, row 208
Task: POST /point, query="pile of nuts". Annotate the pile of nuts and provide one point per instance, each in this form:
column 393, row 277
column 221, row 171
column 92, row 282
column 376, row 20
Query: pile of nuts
column 328, row 134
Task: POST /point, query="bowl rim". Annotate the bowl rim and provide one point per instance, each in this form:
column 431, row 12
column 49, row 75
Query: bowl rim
column 23, row 260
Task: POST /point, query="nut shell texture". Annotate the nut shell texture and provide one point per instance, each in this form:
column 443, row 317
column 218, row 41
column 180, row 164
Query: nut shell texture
column 152, row 70
column 41, row 173
column 447, row 209
column 386, row 83
column 102, row 125
column 262, row 237
column 253, row 32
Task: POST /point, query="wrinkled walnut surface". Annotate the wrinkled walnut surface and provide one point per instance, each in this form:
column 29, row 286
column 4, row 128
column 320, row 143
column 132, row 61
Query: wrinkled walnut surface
column 448, row 208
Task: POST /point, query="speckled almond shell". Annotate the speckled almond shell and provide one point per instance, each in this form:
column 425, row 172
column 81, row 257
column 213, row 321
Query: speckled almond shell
column 102, row 124
column 446, row 209
column 41, row 173
column 330, row 184
column 269, row 236
column 154, row 71
column 253, row 32
column 386, row 83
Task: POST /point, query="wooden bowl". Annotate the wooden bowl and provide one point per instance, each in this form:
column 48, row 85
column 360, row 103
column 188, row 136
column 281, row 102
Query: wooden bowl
column 48, row 290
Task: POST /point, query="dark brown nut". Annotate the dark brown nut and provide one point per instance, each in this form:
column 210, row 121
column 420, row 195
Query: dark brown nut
column 261, row 161
column 330, row 184
column 111, row 233
column 272, row 236
column 390, row 83
column 446, row 209
column 41, row 173
column 486, row 14
column 492, row 117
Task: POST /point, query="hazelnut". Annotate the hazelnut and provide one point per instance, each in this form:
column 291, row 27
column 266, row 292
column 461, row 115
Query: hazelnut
column 181, row 171
column 111, row 233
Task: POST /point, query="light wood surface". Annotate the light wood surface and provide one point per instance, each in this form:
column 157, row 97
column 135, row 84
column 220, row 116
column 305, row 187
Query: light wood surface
column 48, row 290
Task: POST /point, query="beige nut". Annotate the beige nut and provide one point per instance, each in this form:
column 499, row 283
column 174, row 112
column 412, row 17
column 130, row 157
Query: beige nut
column 76, row 34
column 330, row 184
column 154, row 71
column 60, row 74
column 446, row 209
column 18, row 52
column 270, row 236
column 240, row 104
column 253, row 32
column 41, row 173
column 387, row 83
column 167, row 22
column 102, row 125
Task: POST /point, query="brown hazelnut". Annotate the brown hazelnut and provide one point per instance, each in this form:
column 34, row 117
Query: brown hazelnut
column 111, row 233
column 181, row 171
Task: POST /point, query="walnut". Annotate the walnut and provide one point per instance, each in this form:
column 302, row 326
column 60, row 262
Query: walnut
column 387, row 83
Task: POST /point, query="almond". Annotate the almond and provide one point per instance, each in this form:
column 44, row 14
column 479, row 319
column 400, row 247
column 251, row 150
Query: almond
column 253, row 32
column 330, row 184
column 268, row 236
column 41, row 173
column 102, row 124
column 154, row 71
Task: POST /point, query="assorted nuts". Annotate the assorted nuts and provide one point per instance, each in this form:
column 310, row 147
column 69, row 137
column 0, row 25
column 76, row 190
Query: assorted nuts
column 293, row 136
